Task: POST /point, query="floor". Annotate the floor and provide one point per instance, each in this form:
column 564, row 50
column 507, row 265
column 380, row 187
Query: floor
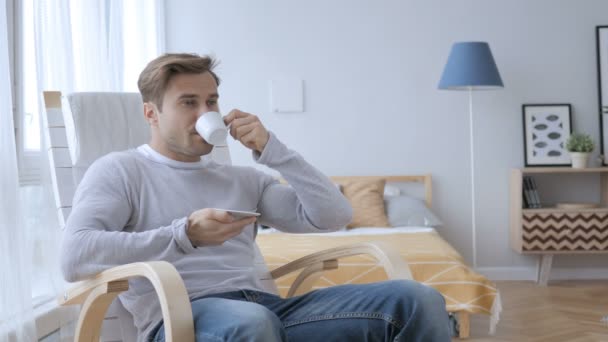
column 574, row 311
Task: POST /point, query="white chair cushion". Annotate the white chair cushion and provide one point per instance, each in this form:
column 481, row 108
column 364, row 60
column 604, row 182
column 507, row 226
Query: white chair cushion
column 100, row 123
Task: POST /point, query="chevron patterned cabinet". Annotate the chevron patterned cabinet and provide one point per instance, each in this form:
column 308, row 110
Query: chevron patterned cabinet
column 565, row 231
column 550, row 230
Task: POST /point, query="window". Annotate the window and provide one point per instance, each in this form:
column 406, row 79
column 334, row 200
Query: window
column 25, row 89
column 88, row 46
column 28, row 143
column 30, row 122
column 130, row 36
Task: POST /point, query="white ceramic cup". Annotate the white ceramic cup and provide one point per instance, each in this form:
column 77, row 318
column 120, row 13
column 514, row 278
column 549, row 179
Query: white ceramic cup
column 212, row 128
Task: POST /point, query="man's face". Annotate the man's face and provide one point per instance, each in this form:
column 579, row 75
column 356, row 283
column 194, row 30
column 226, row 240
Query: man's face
column 187, row 97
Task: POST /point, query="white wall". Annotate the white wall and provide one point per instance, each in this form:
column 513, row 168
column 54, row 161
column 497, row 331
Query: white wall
column 371, row 70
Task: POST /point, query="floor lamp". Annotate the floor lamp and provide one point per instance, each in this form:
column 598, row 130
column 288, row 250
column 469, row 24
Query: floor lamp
column 471, row 66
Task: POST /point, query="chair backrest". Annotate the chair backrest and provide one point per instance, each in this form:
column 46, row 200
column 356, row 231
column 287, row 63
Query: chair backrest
column 81, row 127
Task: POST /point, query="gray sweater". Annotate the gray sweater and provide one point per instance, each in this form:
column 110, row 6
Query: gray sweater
column 133, row 206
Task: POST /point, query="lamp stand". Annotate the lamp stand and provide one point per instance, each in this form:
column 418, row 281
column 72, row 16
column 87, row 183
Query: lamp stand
column 471, row 142
column 471, row 66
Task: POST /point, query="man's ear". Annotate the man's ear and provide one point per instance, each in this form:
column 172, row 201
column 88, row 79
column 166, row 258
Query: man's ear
column 151, row 113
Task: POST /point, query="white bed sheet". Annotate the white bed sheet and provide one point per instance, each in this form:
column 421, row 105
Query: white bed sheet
column 361, row 231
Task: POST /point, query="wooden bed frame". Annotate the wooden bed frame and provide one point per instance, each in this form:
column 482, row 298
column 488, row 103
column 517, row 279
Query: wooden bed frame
column 426, row 180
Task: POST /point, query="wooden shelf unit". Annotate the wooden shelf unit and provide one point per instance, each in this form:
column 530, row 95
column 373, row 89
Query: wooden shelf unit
column 548, row 231
column 529, row 170
column 559, row 210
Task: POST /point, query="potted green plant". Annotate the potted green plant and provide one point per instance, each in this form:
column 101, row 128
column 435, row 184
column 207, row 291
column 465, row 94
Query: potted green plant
column 580, row 147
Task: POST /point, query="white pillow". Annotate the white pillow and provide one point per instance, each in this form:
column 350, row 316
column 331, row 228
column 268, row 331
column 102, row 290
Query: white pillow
column 403, row 211
column 391, row 190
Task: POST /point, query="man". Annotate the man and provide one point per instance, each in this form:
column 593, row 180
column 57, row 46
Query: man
column 152, row 203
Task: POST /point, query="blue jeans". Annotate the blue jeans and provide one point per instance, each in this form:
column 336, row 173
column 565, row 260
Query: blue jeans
column 396, row 310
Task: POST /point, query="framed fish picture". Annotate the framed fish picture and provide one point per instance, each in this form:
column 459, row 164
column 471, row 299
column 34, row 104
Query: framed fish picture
column 546, row 129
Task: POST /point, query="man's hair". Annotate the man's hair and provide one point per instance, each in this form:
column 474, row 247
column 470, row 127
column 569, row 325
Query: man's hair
column 155, row 77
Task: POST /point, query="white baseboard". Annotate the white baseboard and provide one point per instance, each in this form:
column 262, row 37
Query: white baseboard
column 48, row 319
column 529, row 273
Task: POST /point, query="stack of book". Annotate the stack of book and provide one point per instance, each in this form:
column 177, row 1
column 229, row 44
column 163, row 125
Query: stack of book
column 530, row 193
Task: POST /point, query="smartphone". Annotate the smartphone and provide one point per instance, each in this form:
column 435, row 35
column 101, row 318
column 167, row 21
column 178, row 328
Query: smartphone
column 239, row 214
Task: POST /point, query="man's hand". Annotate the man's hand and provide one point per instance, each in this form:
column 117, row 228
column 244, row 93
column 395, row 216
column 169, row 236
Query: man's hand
column 248, row 129
column 208, row 227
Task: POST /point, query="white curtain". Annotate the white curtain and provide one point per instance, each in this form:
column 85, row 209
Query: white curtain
column 97, row 45
column 93, row 45
column 16, row 314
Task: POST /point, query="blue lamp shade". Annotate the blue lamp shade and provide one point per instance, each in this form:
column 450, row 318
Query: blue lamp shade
column 470, row 66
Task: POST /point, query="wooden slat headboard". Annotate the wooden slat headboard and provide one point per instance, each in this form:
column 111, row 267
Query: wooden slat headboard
column 426, row 181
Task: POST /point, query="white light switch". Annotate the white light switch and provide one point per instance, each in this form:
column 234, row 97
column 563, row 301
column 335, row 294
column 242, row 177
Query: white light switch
column 287, row 95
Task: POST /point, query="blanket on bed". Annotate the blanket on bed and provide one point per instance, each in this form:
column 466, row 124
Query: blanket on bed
column 431, row 259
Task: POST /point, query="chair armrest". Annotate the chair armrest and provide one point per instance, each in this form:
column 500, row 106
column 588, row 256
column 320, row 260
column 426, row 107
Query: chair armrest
column 172, row 294
column 393, row 263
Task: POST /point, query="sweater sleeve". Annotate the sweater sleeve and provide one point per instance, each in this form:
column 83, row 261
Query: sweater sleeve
column 310, row 203
column 94, row 238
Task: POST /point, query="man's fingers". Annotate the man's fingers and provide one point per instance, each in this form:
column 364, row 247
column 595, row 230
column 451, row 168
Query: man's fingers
column 233, row 233
column 235, row 228
column 239, row 132
column 249, row 138
column 240, row 224
column 230, row 117
column 234, row 114
column 221, row 216
column 238, row 123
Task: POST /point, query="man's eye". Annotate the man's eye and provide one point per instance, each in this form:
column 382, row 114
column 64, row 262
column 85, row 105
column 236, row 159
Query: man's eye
column 211, row 102
column 190, row 103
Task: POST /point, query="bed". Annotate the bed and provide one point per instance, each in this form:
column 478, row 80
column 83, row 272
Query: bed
column 431, row 259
